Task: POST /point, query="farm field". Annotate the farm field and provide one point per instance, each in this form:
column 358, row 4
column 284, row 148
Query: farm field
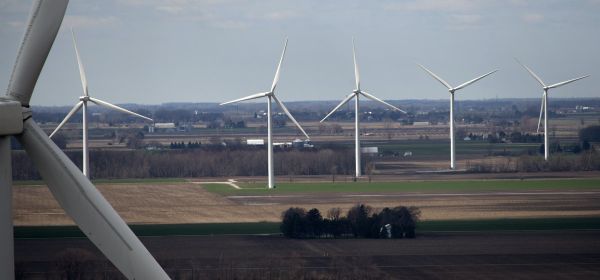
column 195, row 201
column 410, row 186
column 449, row 255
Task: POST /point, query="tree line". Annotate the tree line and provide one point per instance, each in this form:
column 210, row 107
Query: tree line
column 197, row 163
column 361, row 221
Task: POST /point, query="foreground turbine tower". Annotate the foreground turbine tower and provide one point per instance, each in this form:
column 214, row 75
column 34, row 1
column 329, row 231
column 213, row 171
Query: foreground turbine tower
column 271, row 95
column 74, row 192
column 544, row 107
column 83, row 100
column 356, row 94
column 451, row 119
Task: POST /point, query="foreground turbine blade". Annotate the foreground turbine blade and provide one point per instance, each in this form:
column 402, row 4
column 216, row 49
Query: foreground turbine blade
column 567, row 82
column 276, row 79
column 115, row 107
column 69, row 115
column 249, row 97
column 287, row 112
column 372, row 97
column 80, row 64
column 474, row 80
column 339, row 105
column 42, row 27
column 541, row 112
column 531, row 73
column 356, row 74
column 447, row 85
column 88, row 208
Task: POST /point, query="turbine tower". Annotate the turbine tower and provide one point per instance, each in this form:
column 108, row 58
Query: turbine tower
column 544, row 107
column 270, row 95
column 451, row 119
column 74, row 192
column 83, row 103
column 356, row 94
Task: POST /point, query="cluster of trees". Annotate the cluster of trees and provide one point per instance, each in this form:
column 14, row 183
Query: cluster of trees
column 514, row 137
column 584, row 161
column 361, row 221
column 197, row 163
column 182, row 145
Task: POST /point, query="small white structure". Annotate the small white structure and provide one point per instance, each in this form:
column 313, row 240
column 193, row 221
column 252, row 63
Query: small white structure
column 421, row 123
column 164, row 125
column 369, row 150
column 255, row 142
column 408, row 154
column 386, row 231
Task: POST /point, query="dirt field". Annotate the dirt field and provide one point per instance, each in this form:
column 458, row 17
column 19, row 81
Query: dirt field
column 168, row 203
column 509, row 255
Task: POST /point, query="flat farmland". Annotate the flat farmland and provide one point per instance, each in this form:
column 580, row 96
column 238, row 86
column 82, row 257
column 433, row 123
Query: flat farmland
column 450, row 255
column 195, row 201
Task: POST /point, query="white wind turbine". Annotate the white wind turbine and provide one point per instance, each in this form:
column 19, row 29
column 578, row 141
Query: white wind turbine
column 544, row 107
column 271, row 95
column 356, row 93
column 74, row 192
column 451, row 119
column 83, row 100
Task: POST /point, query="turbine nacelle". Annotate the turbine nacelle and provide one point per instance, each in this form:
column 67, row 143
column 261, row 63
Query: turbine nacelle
column 84, row 98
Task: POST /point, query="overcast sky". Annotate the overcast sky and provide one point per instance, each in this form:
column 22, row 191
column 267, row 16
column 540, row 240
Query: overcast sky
column 156, row 51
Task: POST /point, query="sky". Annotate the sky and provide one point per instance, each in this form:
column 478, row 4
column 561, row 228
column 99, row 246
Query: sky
column 159, row 51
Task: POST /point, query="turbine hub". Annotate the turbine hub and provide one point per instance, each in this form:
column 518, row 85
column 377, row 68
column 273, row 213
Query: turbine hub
column 11, row 116
column 84, row 98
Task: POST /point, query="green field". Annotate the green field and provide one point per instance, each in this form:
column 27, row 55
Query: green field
column 409, row 186
column 578, row 223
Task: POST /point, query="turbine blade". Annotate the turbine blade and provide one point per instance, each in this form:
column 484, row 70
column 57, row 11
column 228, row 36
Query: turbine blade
column 541, row 111
column 249, row 97
column 115, row 107
column 339, row 105
column 42, row 27
column 374, row 98
column 356, row 74
column 80, row 64
column 87, row 207
column 287, row 112
column 446, row 84
column 567, row 82
column 276, row 79
column 475, row 80
column 532, row 74
column 69, row 115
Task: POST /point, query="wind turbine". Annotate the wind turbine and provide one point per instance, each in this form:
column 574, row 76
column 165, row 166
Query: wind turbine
column 451, row 119
column 83, row 103
column 356, row 93
column 544, row 107
column 74, row 192
column 271, row 95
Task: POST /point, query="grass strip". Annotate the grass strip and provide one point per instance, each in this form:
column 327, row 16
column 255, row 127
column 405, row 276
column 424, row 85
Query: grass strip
column 409, row 186
column 575, row 223
column 567, row 223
